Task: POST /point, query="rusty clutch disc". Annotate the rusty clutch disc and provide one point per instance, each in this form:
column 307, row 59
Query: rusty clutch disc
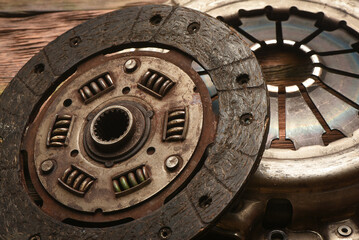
column 125, row 128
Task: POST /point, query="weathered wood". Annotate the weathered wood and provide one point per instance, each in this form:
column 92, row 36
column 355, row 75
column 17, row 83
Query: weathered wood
column 23, row 37
column 184, row 213
column 26, row 27
column 9, row 6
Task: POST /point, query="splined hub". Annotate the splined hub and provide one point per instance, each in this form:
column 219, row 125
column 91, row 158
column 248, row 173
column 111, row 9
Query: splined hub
column 117, row 131
column 111, row 125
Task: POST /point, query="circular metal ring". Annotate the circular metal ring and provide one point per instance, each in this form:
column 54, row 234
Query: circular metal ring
column 277, row 235
column 122, row 115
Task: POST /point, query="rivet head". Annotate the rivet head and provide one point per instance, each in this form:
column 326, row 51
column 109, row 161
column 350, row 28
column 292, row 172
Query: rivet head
column 172, row 162
column 130, row 65
column 246, row 119
column 36, row 237
column 75, row 41
column 165, row 233
column 47, row 166
column 193, row 27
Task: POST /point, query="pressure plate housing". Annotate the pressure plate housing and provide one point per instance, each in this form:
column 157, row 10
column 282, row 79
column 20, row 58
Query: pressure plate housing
column 306, row 186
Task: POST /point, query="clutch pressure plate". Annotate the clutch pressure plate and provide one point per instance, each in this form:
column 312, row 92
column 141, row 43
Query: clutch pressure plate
column 143, row 123
column 306, row 186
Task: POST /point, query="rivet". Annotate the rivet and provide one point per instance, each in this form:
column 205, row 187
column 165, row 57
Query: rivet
column 246, row 119
column 172, row 162
column 205, row 201
column 75, row 41
column 130, row 65
column 39, row 68
column 193, row 27
column 165, row 233
column 35, row 237
column 47, row 166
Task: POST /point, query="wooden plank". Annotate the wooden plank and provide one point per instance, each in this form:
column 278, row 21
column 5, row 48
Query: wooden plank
column 69, row 5
column 22, row 37
column 26, row 27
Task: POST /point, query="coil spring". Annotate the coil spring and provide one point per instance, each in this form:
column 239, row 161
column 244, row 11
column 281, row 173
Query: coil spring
column 96, row 86
column 130, row 180
column 59, row 131
column 156, row 83
column 77, row 180
column 176, row 125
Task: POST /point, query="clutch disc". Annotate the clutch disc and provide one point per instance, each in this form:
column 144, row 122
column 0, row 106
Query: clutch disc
column 306, row 186
column 110, row 131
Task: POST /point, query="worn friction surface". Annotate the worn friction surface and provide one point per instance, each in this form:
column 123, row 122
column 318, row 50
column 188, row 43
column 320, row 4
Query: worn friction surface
column 234, row 155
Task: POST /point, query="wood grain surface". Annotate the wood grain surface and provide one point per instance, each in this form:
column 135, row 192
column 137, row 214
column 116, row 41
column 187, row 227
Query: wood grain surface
column 23, row 36
column 11, row 6
column 28, row 26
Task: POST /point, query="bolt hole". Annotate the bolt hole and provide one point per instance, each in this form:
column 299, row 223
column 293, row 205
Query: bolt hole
column 195, row 89
column 165, row 233
column 39, row 68
column 67, row 102
column 98, row 210
column 277, row 235
column 74, row 153
column 74, row 42
column 193, row 27
column 220, row 18
column 242, row 79
column 151, row 150
column 205, row 201
column 246, row 119
column 344, row 231
column 35, row 237
column 126, row 90
column 156, row 19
